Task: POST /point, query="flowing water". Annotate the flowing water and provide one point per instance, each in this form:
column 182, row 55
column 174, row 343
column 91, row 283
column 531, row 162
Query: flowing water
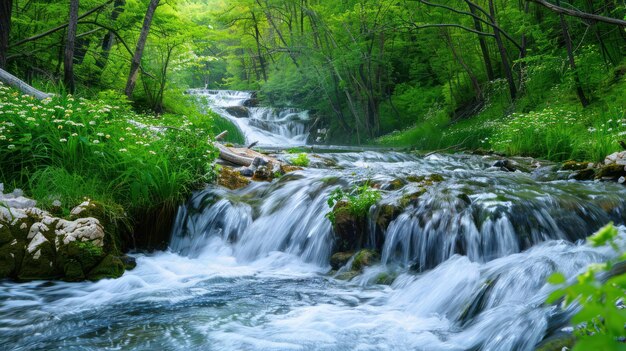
column 249, row 269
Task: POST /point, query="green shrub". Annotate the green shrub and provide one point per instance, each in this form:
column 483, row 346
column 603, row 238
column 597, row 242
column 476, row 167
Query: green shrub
column 302, row 160
column 601, row 320
column 359, row 200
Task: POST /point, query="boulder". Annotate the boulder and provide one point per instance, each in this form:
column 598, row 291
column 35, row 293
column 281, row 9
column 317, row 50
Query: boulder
column 110, row 267
column 611, row 172
column 238, row 111
column 339, row 259
column 37, row 245
column 263, row 174
column 616, row 158
column 365, row 258
column 350, row 230
column 232, row 179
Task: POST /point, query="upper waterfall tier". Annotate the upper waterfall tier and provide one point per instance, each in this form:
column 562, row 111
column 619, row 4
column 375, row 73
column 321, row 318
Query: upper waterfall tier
column 276, row 127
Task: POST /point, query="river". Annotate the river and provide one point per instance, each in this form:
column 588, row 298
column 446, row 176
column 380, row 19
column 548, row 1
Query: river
column 249, row 269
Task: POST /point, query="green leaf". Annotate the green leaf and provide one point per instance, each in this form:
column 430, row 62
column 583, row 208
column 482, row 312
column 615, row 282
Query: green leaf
column 557, row 278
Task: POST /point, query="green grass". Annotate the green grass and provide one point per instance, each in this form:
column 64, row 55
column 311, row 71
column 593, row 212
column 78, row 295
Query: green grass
column 302, row 160
column 552, row 125
column 68, row 148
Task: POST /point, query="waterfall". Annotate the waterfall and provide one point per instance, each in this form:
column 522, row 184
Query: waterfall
column 268, row 126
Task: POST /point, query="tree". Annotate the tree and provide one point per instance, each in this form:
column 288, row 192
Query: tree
column 5, row 29
column 70, row 43
column 141, row 43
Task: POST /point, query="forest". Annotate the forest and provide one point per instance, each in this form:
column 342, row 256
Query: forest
column 341, row 162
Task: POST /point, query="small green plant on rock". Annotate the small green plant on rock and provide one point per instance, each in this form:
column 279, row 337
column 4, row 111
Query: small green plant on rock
column 601, row 319
column 302, row 160
column 358, row 201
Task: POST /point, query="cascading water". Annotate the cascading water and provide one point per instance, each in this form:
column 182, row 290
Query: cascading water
column 249, row 269
column 265, row 125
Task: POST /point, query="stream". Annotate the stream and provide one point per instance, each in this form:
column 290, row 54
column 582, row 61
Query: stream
column 250, row 269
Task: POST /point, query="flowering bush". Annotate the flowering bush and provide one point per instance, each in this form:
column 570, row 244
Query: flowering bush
column 102, row 147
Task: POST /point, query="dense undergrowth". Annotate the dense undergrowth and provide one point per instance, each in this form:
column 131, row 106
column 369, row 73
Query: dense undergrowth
column 65, row 149
column 547, row 121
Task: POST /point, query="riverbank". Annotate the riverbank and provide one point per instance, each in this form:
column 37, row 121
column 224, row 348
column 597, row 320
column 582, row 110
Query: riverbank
column 552, row 125
column 137, row 168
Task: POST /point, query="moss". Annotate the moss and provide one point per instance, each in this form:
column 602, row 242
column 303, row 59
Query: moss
column 364, row 258
column 585, row 174
column 73, row 271
column 386, row 214
column 557, row 343
column 574, row 165
column 231, row 179
column 5, row 234
column 114, row 221
column 9, row 256
column 288, row 168
column 384, row 278
column 40, row 264
column 340, row 259
column 110, row 267
column 611, row 171
column 85, row 253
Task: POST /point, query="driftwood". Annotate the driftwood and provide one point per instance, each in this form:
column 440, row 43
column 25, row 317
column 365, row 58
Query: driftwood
column 252, row 145
column 11, row 80
column 227, row 154
column 221, row 135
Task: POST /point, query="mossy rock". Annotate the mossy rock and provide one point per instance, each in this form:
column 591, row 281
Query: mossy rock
column 5, row 234
column 557, row 342
column 87, row 254
column 349, row 228
column 39, row 264
column 263, row 174
column 340, row 259
column 386, row 214
column 384, row 278
column 585, row 174
column 364, row 258
column 113, row 219
column 411, row 197
column 574, row 165
column 284, row 169
column 611, row 171
column 11, row 255
column 110, row 267
column 395, row 184
column 231, row 179
column 348, row 275
column 73, row 271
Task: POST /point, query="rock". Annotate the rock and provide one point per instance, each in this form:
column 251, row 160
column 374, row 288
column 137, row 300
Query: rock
column 259, row 161
column 73, row 271
column 340, row 259
column 39, row 260
column 129, row 262
column 384, row 278
column 584, row 174
column 364, row 258
column 246, row 171
column 289, row 168
column 557, row 342
column 386, row 213
column 505, row 165
column 394, row 184
column 254, row 102
column 350, row 230
column 612, row 172
column 575, row 166
column 81, row 230
column 618, row 158
column 263, row 174
column 238, row 111
column 109, row 267
column 232, row 179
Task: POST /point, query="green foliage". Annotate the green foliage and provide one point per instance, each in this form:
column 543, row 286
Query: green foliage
column 302, row 160
column 359, row 200
column 66, row 148
column 601, row 319
column 90, row 248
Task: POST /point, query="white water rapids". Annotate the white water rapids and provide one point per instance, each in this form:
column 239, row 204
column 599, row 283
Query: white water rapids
column 249, row 269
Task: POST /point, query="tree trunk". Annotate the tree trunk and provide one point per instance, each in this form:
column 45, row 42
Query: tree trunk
column 503, row 54
column 11, row 80
column 5, row 28
column 483, row 44
column 141, row 43
column 70, row 43
column 109, row 37
column 572, row 61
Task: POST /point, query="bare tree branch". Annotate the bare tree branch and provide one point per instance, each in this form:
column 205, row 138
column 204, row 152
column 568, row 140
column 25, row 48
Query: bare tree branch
column 580, row 14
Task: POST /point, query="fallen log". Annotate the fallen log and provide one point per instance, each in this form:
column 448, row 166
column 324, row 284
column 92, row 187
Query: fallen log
column 227, row 154
column 221, row 135
column 11, row 80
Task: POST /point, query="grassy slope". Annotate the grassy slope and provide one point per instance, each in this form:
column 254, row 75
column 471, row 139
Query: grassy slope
column 66, row 149
column 548, row 124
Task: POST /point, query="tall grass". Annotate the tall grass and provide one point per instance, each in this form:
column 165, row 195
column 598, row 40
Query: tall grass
column 66, row 148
